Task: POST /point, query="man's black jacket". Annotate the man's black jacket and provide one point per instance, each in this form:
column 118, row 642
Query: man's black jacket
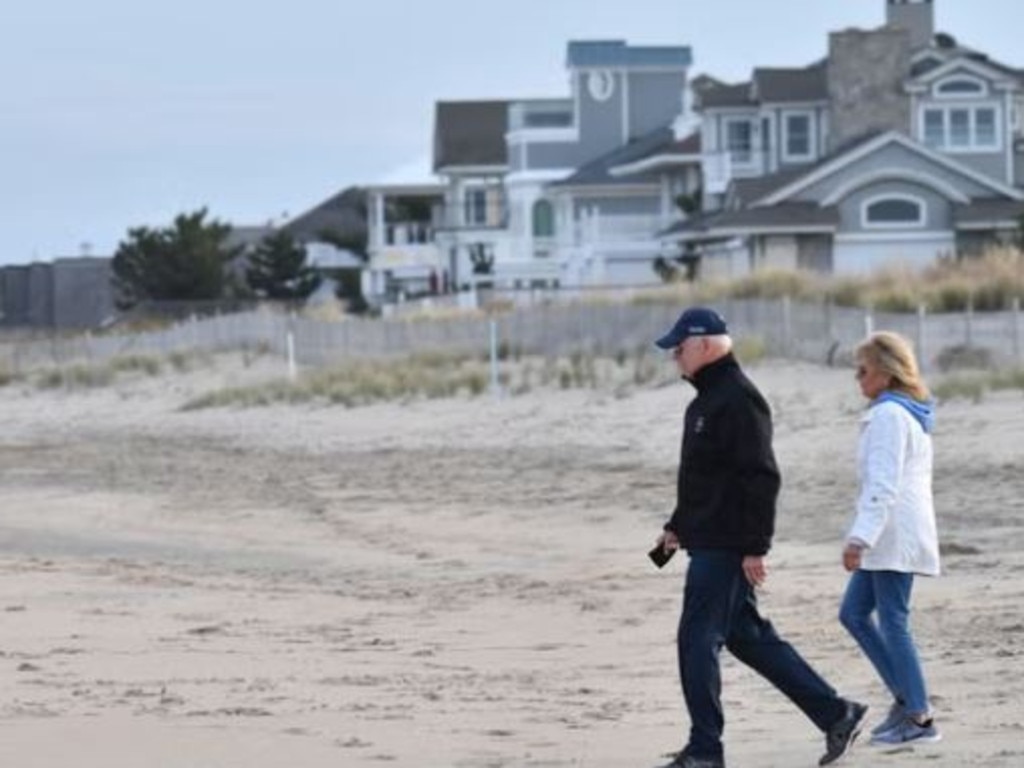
column 728, row 479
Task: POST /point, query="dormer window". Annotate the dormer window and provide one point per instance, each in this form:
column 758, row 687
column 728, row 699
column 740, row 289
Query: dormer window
column 798, row 138
column 960, row 86
column 892, row 212
column 739, row 140
column 961, row 128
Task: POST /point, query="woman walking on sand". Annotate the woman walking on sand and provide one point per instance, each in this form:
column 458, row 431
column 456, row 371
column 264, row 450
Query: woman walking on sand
column 893, row 536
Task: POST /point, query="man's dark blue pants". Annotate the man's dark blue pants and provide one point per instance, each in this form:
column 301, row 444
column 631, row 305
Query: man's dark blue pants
column 720, row 608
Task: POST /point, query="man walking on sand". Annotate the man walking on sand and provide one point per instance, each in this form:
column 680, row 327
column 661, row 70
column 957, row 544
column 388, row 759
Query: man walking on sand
column 724, row 518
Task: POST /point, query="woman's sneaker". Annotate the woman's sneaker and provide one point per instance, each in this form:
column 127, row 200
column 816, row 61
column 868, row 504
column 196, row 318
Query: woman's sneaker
column 897, row 713
column 909, row 732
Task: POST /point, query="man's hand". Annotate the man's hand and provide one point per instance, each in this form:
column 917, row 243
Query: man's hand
column 755, row 569
column 668, row 541
column 852, row 553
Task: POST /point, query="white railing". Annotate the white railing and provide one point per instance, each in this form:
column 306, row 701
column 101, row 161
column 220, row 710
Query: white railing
column 409, row 233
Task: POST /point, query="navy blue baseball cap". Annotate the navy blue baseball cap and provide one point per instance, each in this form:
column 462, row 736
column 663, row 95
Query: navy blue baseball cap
column 696, row 321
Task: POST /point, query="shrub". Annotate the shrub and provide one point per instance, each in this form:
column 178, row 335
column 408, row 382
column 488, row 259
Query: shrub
column 774, row 284
column 750, row 349
column 951, row 296
column 136, row 363
column 847, row 292
column 963, row 356
column 967, row 387
column 76, row 377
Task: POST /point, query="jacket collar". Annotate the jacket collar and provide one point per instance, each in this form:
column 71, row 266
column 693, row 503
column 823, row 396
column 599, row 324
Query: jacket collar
column 712, row 373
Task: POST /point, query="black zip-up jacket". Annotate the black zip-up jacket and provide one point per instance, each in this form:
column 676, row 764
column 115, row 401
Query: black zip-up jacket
column 728, row 480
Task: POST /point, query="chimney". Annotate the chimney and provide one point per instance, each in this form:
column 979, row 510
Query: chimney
column 866, row 71
column 915, row 16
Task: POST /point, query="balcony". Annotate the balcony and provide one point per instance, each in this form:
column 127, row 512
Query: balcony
column 408, row 233
column 474, row 216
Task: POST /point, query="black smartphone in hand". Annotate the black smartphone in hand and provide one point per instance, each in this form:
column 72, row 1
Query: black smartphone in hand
column 659, row 555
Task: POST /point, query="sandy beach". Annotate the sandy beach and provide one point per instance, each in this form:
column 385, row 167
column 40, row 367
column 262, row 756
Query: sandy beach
column 456, row 583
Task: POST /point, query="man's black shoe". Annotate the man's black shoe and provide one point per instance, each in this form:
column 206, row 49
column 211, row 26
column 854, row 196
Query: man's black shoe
column 683, row 760
column 840, row 737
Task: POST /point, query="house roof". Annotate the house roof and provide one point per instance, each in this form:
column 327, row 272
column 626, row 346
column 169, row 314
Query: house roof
column 983, row 58
column 324, row 256
column 660, row 155
column 736, row 95
column 864, row 146
column 789, row 217
column 703, row 81
column 470, row 133
column 616, row 53
column 417, row 175
column 598, row 171
column 947, row 57
column 987, row 212
column 748, row 191
column 248, row 236
column 789, row 85
column 689, row 145
column 343, row 215
column 769, row 85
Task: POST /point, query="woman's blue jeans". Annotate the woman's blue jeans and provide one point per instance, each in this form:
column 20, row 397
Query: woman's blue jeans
column 876, row 611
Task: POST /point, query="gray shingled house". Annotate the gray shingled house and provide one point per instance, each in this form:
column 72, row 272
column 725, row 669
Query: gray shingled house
column 899, row 147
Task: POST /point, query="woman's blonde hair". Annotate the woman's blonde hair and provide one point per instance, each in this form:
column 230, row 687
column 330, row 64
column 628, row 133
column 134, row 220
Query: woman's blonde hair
column 894, row 356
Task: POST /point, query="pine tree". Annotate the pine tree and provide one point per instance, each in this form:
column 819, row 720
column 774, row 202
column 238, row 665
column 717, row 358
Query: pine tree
column 183, row 262
column 278, row 269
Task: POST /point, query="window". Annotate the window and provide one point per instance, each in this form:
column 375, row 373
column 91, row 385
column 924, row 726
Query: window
column 543, row 219
column 799, row 143
column 960, row 86
column 476, row 206
column 934, row 128
column 961, row 128
column 985, row 127
column 892, row 211
column 739, row 141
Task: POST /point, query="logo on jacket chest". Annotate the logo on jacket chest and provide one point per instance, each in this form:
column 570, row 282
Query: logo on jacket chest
column 700, row 425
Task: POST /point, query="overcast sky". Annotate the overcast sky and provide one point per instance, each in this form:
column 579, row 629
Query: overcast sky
column 120, row 113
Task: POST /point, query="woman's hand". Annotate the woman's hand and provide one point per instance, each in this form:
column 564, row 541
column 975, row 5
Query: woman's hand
column 851, row 555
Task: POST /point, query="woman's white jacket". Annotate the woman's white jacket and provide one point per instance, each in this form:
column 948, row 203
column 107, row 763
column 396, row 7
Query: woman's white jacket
column 895, row 516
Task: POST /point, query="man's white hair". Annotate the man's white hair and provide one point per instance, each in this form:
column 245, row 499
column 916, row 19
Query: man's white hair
column 722, row 344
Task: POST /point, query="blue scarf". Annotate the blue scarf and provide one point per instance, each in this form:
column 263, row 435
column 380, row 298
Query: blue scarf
column 922, row 410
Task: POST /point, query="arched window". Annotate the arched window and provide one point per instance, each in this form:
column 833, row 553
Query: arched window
column 543, row 219
column 960, row 85
column 893, row 211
